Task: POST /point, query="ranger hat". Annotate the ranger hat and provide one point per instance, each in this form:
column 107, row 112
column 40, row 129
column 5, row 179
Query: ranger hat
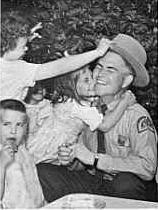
column 134, row 53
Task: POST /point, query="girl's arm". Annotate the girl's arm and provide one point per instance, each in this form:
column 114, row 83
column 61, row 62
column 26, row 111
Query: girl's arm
column 111, row 118
column 71, row 63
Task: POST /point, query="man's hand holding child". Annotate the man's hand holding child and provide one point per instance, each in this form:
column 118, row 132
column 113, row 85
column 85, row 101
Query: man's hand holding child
column 67, row 153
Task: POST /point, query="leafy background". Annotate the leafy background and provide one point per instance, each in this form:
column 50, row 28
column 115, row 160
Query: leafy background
column 76, row 25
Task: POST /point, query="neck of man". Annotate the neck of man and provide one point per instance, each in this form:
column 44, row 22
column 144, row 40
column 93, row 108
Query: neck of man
column 107, row 99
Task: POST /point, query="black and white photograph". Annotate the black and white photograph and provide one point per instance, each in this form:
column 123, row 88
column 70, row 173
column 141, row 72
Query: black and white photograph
column 78, row 104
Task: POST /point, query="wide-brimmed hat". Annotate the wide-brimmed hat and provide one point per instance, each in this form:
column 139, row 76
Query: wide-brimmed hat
column 134, row 53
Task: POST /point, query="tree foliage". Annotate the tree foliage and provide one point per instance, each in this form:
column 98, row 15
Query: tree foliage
column 76, row 25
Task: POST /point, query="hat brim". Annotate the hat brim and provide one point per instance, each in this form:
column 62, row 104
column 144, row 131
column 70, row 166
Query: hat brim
column 141, row 75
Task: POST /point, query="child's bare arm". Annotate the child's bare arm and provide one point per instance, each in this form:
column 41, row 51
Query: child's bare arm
column 71, row 63
column 111, row 118
column 6, row 157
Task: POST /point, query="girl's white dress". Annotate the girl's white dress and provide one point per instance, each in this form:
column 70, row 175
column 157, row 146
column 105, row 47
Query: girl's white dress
column 22, row 186
column 37, row 116
column 63, row 126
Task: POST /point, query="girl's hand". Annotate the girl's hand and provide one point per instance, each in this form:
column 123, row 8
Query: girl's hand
column 129, row 98
column 34, row 34
column 65, row 154
column 103, row 46
column 36, row 27
column 7, row 155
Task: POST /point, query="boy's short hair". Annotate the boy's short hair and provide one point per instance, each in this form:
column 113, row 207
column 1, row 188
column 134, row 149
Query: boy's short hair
column 13, row 26
column 13, row 104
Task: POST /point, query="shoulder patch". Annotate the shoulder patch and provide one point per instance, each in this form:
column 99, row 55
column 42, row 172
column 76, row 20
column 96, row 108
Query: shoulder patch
column 145, row 123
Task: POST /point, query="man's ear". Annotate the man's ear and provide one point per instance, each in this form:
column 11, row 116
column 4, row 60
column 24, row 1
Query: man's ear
column 127, row 80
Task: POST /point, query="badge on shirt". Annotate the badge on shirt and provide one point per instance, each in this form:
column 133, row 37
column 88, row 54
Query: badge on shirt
column 145, row 123
column 123, row 141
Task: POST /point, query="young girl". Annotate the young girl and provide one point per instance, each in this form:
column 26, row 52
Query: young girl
column 38, row 108
column 71, row 111
column 19, row 184
column 16, row 74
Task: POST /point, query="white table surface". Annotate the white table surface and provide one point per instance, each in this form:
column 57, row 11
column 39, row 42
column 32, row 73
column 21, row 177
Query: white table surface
column 89, row 201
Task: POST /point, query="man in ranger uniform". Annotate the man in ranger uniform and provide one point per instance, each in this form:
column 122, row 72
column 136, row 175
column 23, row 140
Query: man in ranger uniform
column 127, row 165
column 131, row 145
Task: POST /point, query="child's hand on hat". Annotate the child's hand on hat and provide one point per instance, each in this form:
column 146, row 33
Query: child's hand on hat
column 34, row 34
column 103, row 46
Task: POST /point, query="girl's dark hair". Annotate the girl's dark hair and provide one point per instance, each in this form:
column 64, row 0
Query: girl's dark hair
column 64, row 88
column 13, row 104
column 33, row 90
column 13, row 26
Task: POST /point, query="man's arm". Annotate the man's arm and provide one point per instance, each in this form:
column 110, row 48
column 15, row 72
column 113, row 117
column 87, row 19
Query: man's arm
column 70, row 63
column 65, row 155
column 76, row 164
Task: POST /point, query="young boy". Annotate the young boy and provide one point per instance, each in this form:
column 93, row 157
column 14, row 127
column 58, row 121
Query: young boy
column 19, row 184
column 16, row 74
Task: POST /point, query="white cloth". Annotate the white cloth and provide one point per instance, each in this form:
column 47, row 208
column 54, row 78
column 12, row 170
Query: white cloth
column 63, row 126
column 22, row 187
column 38, row 114
column 15, row 78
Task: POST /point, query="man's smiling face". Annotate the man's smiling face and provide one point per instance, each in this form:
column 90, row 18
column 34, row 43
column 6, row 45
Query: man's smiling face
column 109, row 74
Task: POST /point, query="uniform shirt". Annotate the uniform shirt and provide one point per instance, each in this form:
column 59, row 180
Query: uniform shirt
column 22, row 187
column 15, row 78
column 131, row 145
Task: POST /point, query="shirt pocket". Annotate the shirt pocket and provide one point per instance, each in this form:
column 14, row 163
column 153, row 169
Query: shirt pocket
column 123, row 146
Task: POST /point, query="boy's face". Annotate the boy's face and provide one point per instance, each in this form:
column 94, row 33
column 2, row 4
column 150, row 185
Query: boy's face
column 19, row 50
column 85, row 83
column 13, row 127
